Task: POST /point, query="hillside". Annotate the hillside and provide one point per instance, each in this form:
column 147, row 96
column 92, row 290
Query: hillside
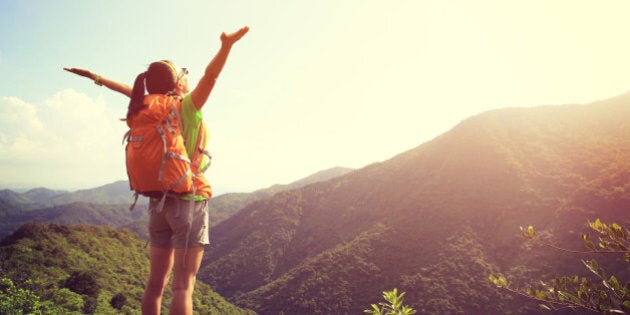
column 73, row 213
column 79, row 269
column 224, row 206
column 104, row 205
column 37, row 198
column 434, row 221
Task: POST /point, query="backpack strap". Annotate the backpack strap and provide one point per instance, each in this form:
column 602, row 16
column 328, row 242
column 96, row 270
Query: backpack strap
column 126, row 136
column 176, row 110
column 206, row 153
column 135, row 200
column 182, row 179
column 162, row 134
column 201, row 150
column 172, row 115
column 161, row 204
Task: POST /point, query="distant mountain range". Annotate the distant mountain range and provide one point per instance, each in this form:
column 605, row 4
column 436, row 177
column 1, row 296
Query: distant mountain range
column 109, row 204
column 436, row 220
column 114, row 193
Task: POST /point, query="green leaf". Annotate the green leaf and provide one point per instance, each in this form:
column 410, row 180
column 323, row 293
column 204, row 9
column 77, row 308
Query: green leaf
column 499, row 282
column 541, row 294
column 589, row 244
column 376, row 310
column 592, row 266
column 614, row 283
column 530, row 231
column 597, row 224
column 575, row 279
column 502, row 281
column 571, row 297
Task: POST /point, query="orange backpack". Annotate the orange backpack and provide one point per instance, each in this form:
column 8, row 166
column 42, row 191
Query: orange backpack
column 156, row 158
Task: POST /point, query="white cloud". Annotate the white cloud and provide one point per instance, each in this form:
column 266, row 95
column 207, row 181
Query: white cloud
column 68, row 141
column 19, row 127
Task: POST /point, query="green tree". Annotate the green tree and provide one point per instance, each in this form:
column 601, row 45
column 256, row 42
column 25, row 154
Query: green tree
column 393, row 306
column 70, row 301
column 83, row 282
column 14, row 300
column 90, row 304
column 118, row 301
column 606, row 295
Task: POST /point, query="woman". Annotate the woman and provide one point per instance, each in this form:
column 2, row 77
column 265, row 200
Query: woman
column 177, row 237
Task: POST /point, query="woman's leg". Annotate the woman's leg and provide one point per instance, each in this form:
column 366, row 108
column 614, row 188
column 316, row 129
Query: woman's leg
column 184, row 275
column 161, row 264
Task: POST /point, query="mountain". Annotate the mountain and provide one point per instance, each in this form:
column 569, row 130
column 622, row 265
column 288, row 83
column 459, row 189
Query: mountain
column 104, row 205
column 109, row 205
column 7, row 203
column 226, row 205
column 12, row 202
column 114, row 193
column 436, row 220
column 73, row 213
column 37, row 198
column 80, row 269
column 40, row 195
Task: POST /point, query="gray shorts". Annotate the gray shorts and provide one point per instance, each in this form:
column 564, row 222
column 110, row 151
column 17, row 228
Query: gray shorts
column 178, row 225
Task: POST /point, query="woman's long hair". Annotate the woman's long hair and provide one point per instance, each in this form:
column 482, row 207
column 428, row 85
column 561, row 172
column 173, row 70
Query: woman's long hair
column 160, row 78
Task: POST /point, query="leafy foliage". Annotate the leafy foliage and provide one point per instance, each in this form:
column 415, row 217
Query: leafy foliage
column 16, row 300
column 606, row 294
column 83, row 269
column 118, row 301
column 394, row 305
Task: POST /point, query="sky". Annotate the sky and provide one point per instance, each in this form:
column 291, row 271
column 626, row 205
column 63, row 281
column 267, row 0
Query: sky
column 313, row 85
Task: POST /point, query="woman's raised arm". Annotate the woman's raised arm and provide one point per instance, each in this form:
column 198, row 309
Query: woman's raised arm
column 200, row 93
column 100, row 80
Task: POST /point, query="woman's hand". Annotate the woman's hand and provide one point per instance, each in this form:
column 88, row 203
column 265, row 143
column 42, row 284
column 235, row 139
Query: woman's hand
column 99, row 80
column 230, row 39
column 200, row 93
column 82, row 72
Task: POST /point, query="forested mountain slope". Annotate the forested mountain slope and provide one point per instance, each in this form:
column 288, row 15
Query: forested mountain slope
column 73, row 213
column 79, row 270
column 434, row 221
column 104, row 205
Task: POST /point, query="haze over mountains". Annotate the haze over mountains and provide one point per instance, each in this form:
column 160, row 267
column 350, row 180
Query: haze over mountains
column 434, row 221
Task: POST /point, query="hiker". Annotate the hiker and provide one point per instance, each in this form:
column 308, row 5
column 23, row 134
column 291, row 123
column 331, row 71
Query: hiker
column 178, row 231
